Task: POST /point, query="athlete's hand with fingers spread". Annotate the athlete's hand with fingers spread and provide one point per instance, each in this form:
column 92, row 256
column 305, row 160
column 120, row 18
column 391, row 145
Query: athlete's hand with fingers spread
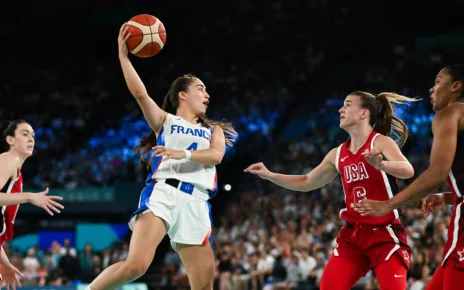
column 374, row 158
column 432, row 203
column 122, row 39
column 9, row 277
column 166, row 153
column 47, row 202
column 260, row 170
column 371, row 207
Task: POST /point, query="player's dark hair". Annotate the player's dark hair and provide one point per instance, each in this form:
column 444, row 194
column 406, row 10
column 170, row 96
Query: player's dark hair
column 170, row 105
column 8, row 128
column 456, row 72
column 381, row 114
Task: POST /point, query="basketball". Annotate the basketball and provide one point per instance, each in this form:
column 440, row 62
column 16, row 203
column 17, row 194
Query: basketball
column 148, row 35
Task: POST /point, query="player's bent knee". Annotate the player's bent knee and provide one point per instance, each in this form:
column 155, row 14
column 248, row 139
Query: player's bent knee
column 203, row 277
column 134, row 270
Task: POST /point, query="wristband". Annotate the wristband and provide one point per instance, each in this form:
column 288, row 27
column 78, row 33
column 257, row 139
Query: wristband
column 188, row 154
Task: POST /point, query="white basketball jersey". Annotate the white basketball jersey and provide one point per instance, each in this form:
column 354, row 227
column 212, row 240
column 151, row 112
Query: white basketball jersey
column 179, row 134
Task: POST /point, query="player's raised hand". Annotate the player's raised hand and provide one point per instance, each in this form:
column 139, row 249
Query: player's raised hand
column 47, row 202
column 374, row 158
column 122, row 39
column 371, row 207
column 259, row 169
column 432, row 203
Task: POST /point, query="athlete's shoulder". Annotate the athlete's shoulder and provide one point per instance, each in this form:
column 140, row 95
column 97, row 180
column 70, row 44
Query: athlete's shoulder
column 333, row 155
column 448, row 115
column 9, row 160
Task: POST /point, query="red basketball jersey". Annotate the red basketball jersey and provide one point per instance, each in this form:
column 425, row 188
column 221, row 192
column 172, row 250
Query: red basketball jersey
column 454, row 247
column 8, row 213
column 362, row 181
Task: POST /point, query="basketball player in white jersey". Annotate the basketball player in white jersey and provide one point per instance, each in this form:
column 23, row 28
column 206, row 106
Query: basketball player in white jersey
column 17, row 145
column 182, row 179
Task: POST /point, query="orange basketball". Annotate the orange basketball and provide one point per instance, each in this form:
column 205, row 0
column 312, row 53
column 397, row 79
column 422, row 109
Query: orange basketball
column 148, row 35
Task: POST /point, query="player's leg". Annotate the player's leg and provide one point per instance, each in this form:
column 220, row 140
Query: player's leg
column 147, row 233
column 342, row 274
column 198, row 261
column 453, row 277
column 392, row 274
column 436, row 283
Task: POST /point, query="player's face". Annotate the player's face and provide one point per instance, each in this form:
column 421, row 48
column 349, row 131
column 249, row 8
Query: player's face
column 441, row 92
column 23, row 141
column 351, row 112
column 197, row 98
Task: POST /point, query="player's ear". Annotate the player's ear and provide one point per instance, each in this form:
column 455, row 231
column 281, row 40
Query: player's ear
column 364, row 114
column 9, row 140
column 456, row 87
column 182, row 96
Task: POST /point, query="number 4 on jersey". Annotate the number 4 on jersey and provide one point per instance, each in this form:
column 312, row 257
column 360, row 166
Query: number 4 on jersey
column 193, row 146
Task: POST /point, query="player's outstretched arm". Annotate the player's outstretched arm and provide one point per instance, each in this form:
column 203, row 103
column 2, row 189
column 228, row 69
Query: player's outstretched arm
column 316, row 178
column 154, row 115
column 9, row 165
column 445, row 131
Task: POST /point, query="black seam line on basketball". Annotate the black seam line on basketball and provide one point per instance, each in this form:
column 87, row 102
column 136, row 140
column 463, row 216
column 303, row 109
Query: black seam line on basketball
column 148, row 34
column 151, row 34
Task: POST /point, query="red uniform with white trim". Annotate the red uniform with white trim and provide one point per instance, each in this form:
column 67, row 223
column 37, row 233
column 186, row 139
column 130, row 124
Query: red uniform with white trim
column 454, row 248
column 450, row 275
column 367, row 241
column 8, row 213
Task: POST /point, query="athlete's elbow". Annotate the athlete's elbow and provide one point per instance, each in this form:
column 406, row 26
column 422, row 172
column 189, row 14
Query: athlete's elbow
column 216, row 157
column 440, row 173
column 138, row 93
column 409, row 173
column 217, row 160
column 305, row 185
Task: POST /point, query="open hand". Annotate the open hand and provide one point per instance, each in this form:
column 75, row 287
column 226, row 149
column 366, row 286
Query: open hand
column 259, row 169
column 122, row 39
column 432, row 203
column 374, row 158
column 9, row 277
column 166, row 153
column 47, row 202
column 371, row 207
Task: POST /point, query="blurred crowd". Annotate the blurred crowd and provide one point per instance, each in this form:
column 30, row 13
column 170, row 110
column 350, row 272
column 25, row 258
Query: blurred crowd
column 87, row 124
column 62, row 264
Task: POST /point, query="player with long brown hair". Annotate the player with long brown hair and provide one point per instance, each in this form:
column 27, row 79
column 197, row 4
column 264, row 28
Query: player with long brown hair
column 187, row 146
column 446, row 164
column 364, row 243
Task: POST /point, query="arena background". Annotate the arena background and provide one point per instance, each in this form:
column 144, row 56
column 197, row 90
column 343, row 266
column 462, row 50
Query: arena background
column 278, row 70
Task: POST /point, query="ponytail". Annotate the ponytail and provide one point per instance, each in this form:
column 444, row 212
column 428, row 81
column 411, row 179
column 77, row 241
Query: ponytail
column 229, row 132
column 386, row 122
column 381, row 114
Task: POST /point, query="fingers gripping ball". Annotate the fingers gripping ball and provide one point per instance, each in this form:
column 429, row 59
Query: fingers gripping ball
column 148, row 35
